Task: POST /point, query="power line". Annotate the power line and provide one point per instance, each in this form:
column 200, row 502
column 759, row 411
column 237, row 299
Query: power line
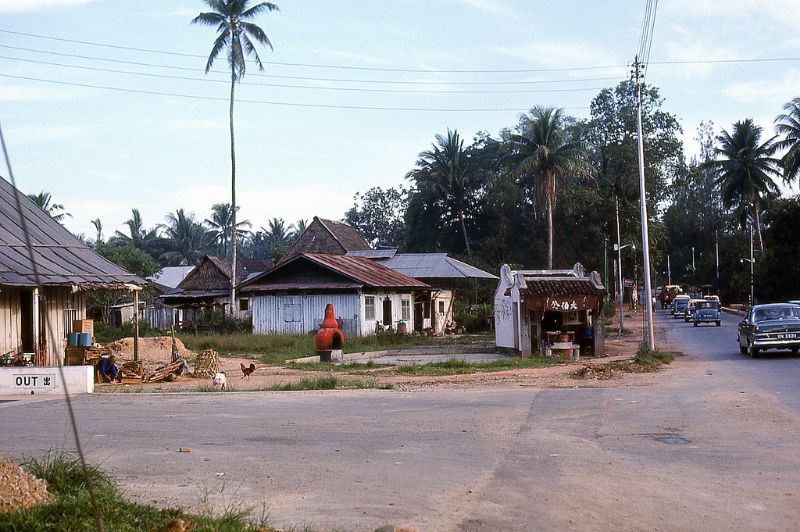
column 310, row 78
column 321, row 65
column 278, row 103
column 281, row 85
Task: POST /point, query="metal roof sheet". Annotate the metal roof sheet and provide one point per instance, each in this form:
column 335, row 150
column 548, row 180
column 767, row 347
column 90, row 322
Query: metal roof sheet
column 434, row 266
column 171, row 276
column 60, row 257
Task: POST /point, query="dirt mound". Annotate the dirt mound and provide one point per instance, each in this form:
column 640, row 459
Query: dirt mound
column 18, row 489
column 157, row 349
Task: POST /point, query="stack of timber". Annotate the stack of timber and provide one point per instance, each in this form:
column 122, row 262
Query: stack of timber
column 168, row 373
column 206, row 365
column 132, row 372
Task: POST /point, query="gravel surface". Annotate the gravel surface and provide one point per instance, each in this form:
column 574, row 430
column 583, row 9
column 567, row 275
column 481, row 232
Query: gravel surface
column 19, row 489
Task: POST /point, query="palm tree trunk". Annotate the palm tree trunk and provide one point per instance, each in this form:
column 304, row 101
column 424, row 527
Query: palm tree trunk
column 232, row 309
column 464, row 231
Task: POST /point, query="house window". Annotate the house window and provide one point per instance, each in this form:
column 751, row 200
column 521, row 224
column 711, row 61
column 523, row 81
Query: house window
column 405, row 309
column 244, row 304
column 70, row 315
column 441, row 307
column 426, row 310
column 292, row 310
column 369, row 307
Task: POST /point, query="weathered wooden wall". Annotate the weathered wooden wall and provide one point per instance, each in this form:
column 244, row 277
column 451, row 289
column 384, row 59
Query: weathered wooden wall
column 56, row 301
column 10, row 322
column 300, row 314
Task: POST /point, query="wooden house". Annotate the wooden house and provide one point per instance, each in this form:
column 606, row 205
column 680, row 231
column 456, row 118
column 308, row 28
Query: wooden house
column 537, row 310
column 44, row 279
column 432, row 310
column 208, row 287
column 291, row 297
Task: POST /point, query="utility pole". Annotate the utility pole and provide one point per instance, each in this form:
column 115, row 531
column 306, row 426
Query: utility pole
column 716, row 250
column 651, row 340
column 669, row 272
column 752, row 264
column 621, row 292
column 605, row 261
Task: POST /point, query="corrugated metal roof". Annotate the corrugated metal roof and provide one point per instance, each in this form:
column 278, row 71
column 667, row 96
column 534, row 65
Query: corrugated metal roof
column 364, row 273
column 373, row 253
column 434, row 266
column 300, row 285
column 61, row 258
column 429, row 266
column 171, row 276
column 367, row 271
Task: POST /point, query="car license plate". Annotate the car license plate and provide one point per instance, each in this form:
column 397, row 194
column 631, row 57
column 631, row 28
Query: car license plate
column 787, row 336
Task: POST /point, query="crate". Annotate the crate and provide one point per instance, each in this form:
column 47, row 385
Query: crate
column 137, row 379
column 83, row 326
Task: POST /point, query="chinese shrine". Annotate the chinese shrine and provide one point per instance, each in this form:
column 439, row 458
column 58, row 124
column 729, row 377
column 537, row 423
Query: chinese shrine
column 550, row 312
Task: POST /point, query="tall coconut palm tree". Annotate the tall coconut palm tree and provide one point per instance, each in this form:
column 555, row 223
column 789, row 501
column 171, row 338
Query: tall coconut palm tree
column 447, row 169
column 745, row 168
column 220, row 225
column 148, row 240
column 235, row 35
column 188, row 240
column 788, row 126
column 45, row 201
column 98, row 226
column 278, row 237
column 542, row 154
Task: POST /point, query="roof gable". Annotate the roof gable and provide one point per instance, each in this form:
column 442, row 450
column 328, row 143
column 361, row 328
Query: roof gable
column 60, row 257
column 214, row 273
column 328, row 237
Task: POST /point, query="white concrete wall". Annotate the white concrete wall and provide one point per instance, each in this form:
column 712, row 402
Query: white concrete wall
column 504, row 321
column 368, row 326
column 46, row 380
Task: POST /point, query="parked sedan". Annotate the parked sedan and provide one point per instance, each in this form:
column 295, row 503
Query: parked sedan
column 773, row 326
column 707, row 312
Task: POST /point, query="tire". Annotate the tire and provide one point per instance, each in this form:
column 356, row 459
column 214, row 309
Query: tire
column 718, row 323
column 754, row 351
column 695, row 324
column 742, row 349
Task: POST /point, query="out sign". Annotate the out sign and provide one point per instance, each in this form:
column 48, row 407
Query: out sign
column 39, row 381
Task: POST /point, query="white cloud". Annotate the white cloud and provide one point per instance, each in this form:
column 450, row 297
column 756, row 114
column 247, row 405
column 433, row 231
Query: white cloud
column 48, row 133
column 689, row 48
column 488, row 6
column 561, row 54
column 758, row 91
column 19, row 93
column 783, row 10
column 36, row 5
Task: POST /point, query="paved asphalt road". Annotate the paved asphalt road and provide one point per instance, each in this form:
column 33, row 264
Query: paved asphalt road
column 713, row 445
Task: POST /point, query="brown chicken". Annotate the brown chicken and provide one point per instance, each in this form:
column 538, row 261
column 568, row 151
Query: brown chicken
column 247, row 370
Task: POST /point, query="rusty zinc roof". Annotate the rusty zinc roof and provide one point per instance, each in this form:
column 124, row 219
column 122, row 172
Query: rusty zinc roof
column 61, row 258
column 361, row 272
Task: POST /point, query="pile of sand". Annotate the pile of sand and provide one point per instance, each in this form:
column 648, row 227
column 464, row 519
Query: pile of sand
column 153, row 350
column 18, row 489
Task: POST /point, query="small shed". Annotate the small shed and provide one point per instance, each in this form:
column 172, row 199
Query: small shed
column 291, row 297
column 37, row 312
column 208, row 286
column 536, row 310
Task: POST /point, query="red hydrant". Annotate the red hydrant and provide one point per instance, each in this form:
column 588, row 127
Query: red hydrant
column 329, row 338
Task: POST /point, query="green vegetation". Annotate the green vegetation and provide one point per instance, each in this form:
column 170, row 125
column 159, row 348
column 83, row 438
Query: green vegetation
column 460, row 367
column 646, row 357
column 104, row 333
column 71, row 507
column 356, row 368
column 277, row 349
column 328, row 382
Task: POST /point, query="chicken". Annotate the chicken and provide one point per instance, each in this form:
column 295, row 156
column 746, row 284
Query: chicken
column 247, row 370
column 220, row 379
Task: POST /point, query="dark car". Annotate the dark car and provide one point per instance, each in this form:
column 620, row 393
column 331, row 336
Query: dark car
column 773, row 326
column 679, row 305
column 706, row 312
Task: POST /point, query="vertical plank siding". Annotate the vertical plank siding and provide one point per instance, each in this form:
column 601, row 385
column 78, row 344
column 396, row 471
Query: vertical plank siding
column 56, row 300
column 300, row 314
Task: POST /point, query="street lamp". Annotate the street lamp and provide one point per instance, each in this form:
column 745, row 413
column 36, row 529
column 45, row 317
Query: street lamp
column 619, row 249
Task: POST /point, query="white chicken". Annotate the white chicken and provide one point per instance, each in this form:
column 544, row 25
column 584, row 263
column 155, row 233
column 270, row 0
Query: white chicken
column 220, row 380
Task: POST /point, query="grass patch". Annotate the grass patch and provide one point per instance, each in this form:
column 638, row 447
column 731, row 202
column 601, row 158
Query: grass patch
column 70, row 507
column 278, row 348
column 460, row 367
column 328, row 382
column 646, row 357
column 354, row 367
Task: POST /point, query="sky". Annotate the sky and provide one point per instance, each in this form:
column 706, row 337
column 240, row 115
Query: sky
column 351, row 94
